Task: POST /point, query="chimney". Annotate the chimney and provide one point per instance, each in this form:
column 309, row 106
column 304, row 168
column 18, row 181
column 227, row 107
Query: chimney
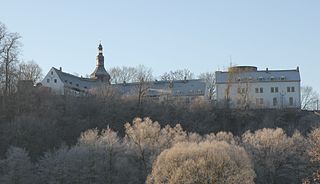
column 60, row 68
column 297, row 68
column 267, row 70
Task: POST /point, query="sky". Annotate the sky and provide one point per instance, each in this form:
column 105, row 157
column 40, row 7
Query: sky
column 200, row 35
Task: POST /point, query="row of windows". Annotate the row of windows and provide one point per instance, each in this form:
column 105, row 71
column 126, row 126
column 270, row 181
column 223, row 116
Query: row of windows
column 55, row 81
column 273, row 90
column 272, row 78
column 191, row 92
column 259, row 101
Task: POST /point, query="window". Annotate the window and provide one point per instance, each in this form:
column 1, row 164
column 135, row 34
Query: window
column 51, row 72
column 261, row 101
column 70, row 82
column 261, row 90
column 239, row 79
column 274, row 89
column 260, row 78
column 282, row 77
column 292, row 89
column 55, row 80
column 257, row 90
column 272, row 78
column 48, row 80
column 288, row 89
column 77, row 85
column 290, row 100
column 275, row 101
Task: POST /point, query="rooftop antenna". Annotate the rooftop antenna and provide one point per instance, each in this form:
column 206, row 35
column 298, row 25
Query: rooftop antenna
column 230, row 58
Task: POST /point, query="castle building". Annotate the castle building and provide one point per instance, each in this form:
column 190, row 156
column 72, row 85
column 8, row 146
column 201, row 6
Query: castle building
column 63, row 83
column 247, row 87
column 67, row 84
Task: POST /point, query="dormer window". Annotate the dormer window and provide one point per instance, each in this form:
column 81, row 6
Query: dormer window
column 282, row 78
column 239, row 79
column 272, row 78
column 260, row 78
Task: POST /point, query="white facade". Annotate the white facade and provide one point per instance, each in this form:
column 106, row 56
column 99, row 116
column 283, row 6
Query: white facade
column 53, row 81
column 247, row 87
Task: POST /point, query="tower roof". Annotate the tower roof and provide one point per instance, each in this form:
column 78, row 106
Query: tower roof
column 100, row 72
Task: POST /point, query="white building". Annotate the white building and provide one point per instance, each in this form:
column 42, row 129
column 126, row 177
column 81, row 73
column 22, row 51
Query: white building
column 247, row 87
column 63, row 83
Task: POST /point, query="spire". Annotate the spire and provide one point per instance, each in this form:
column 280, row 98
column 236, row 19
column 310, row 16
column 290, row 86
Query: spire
column 100, row 48
column 100, row 72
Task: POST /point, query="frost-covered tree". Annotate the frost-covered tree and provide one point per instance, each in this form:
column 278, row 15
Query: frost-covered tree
column 205, row 162
column 223, row 136
column 314, row 152
column 145, row 140
column 17, row 167
column 93, row 160
column 277, row 158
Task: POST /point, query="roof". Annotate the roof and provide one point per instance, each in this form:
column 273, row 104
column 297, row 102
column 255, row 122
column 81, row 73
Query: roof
column 73, row 81
column 195, row 87
column 259, row 76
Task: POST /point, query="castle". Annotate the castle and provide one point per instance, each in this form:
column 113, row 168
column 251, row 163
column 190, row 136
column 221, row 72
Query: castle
column 63, row 83
column 239, row 87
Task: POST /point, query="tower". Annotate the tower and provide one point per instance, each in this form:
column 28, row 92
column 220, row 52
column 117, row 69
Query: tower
column 100, row 72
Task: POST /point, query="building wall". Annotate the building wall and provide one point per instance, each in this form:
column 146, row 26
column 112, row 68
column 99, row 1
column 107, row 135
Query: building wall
column 53, row 81
column 238, row 91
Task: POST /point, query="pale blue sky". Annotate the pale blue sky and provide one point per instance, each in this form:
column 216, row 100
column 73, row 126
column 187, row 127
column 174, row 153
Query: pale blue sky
column 200, row 35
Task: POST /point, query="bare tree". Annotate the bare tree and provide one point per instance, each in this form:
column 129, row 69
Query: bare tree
column 180, row 74
column 30, row 71
column 309, row 98
column 123, row 74
column 143, row 77
column 209, row 77
column 9, row 58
